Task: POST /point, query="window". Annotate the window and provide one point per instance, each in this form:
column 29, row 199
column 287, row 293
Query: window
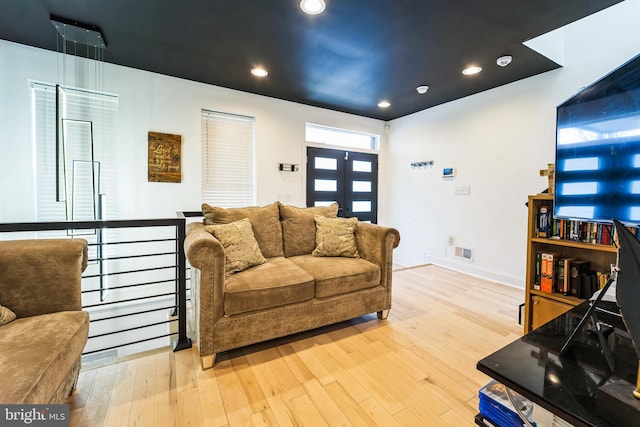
column 75, row 172
column 341, row 137
column 228, row 159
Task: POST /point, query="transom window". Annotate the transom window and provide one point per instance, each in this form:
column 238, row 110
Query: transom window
column 341, row 137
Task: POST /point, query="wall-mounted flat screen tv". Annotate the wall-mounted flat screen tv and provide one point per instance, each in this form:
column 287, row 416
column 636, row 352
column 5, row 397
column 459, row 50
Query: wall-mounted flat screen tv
column 598, row 150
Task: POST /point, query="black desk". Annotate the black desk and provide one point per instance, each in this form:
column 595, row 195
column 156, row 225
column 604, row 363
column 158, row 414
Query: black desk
column 564, row 386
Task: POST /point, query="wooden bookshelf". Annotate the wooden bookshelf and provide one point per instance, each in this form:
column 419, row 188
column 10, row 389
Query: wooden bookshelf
column 540, row 306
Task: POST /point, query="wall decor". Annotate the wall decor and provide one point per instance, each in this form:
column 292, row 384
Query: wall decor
column 165, row 157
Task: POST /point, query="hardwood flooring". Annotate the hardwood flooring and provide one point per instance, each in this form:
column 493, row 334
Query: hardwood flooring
column 415, row 369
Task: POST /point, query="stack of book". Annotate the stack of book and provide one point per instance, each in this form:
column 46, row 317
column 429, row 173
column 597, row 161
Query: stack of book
column 496, row 408
column 572, row 276
column 577, row 231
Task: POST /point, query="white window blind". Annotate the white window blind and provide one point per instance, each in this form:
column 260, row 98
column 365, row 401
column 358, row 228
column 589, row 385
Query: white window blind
column 83, row 114
column 228, row 159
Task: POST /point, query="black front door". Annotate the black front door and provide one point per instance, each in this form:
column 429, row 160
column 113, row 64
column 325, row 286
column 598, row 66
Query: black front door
column 347, row 177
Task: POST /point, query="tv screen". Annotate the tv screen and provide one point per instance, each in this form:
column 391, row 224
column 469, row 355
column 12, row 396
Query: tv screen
column 597, row 174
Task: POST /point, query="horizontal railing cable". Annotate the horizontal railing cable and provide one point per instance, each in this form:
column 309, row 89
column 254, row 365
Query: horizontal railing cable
column 131, row 242
column 130, row 257
column 131, row 300
column 130, row 329
column 127, row 280
column 135, row 285
column 134, row 313
column 130, row 343
column 142, row 270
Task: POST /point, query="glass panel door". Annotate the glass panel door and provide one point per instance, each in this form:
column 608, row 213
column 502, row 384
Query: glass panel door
column 346, row 177
column 362, row 185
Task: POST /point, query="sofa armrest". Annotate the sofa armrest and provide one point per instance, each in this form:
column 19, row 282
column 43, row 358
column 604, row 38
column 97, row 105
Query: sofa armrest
column 42, row 276
column 205, row 253
column 375, row 244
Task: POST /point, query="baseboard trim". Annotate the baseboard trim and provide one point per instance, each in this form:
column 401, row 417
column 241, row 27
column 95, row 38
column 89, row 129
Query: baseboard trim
column 399, row 267
column 481, row 272
column 404, row 262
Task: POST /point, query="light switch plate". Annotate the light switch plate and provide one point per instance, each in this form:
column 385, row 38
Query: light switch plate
column 462, row 190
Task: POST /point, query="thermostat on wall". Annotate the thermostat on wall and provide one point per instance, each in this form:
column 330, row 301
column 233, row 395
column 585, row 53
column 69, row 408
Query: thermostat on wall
column 448, row 172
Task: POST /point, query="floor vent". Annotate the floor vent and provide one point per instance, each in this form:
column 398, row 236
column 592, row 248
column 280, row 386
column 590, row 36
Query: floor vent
column 464, row 253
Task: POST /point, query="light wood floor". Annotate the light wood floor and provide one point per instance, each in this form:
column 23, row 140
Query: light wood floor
column 415, row 369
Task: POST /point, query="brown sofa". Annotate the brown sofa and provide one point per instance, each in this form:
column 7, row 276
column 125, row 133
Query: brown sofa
column 40, row 350
column 293, row 289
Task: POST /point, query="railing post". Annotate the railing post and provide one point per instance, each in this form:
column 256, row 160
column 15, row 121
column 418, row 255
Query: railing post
column 183, row 341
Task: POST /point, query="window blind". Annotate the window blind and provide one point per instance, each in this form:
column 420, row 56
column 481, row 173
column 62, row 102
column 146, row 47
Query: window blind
column 228, row 159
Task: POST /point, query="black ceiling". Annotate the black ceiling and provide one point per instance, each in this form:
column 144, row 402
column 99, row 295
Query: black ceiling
column 355, row 54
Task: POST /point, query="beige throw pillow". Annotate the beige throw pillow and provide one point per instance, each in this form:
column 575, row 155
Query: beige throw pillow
column 335, row 237
column 299, row 229
column 6, row 315
column 240, row 245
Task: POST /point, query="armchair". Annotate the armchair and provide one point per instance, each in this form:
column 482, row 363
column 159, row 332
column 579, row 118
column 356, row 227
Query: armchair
column 40, row 350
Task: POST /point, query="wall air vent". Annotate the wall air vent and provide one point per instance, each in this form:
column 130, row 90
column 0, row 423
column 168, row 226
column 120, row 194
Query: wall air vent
column 464, row 253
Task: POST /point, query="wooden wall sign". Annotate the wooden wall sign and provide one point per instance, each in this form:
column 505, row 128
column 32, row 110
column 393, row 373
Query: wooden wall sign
column 165, row 157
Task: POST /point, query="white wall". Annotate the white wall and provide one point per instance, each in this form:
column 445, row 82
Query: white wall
column 153, row 102
column 498, row 141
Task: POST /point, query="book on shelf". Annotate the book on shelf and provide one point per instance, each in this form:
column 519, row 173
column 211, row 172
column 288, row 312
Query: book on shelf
column 563, row 275
column 566, row 275
column 579, row 231
column 632, row 229
column 562, row 229
column 544, row 221
column 579, row 269
column 605, row 234
column 547, row 271
column 603, row 278
column 591, row 282
column 588, row 284
column 537, row 270
column 582, row 231
column 574, row 230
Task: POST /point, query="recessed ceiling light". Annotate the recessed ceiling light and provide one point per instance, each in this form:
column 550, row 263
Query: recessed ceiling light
column 259, row 72
column 384, row 104
column 471, row 70
column 312, row 7
column 422, row 89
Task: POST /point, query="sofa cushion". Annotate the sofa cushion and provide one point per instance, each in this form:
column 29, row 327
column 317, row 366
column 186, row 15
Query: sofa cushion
column 40, row 276
column 6, row 315
column 37, row 353
column 276, row 282
column 240, row 246
column 265, row 221
column 299, row 228
column 335, row 237
column 338, row 275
